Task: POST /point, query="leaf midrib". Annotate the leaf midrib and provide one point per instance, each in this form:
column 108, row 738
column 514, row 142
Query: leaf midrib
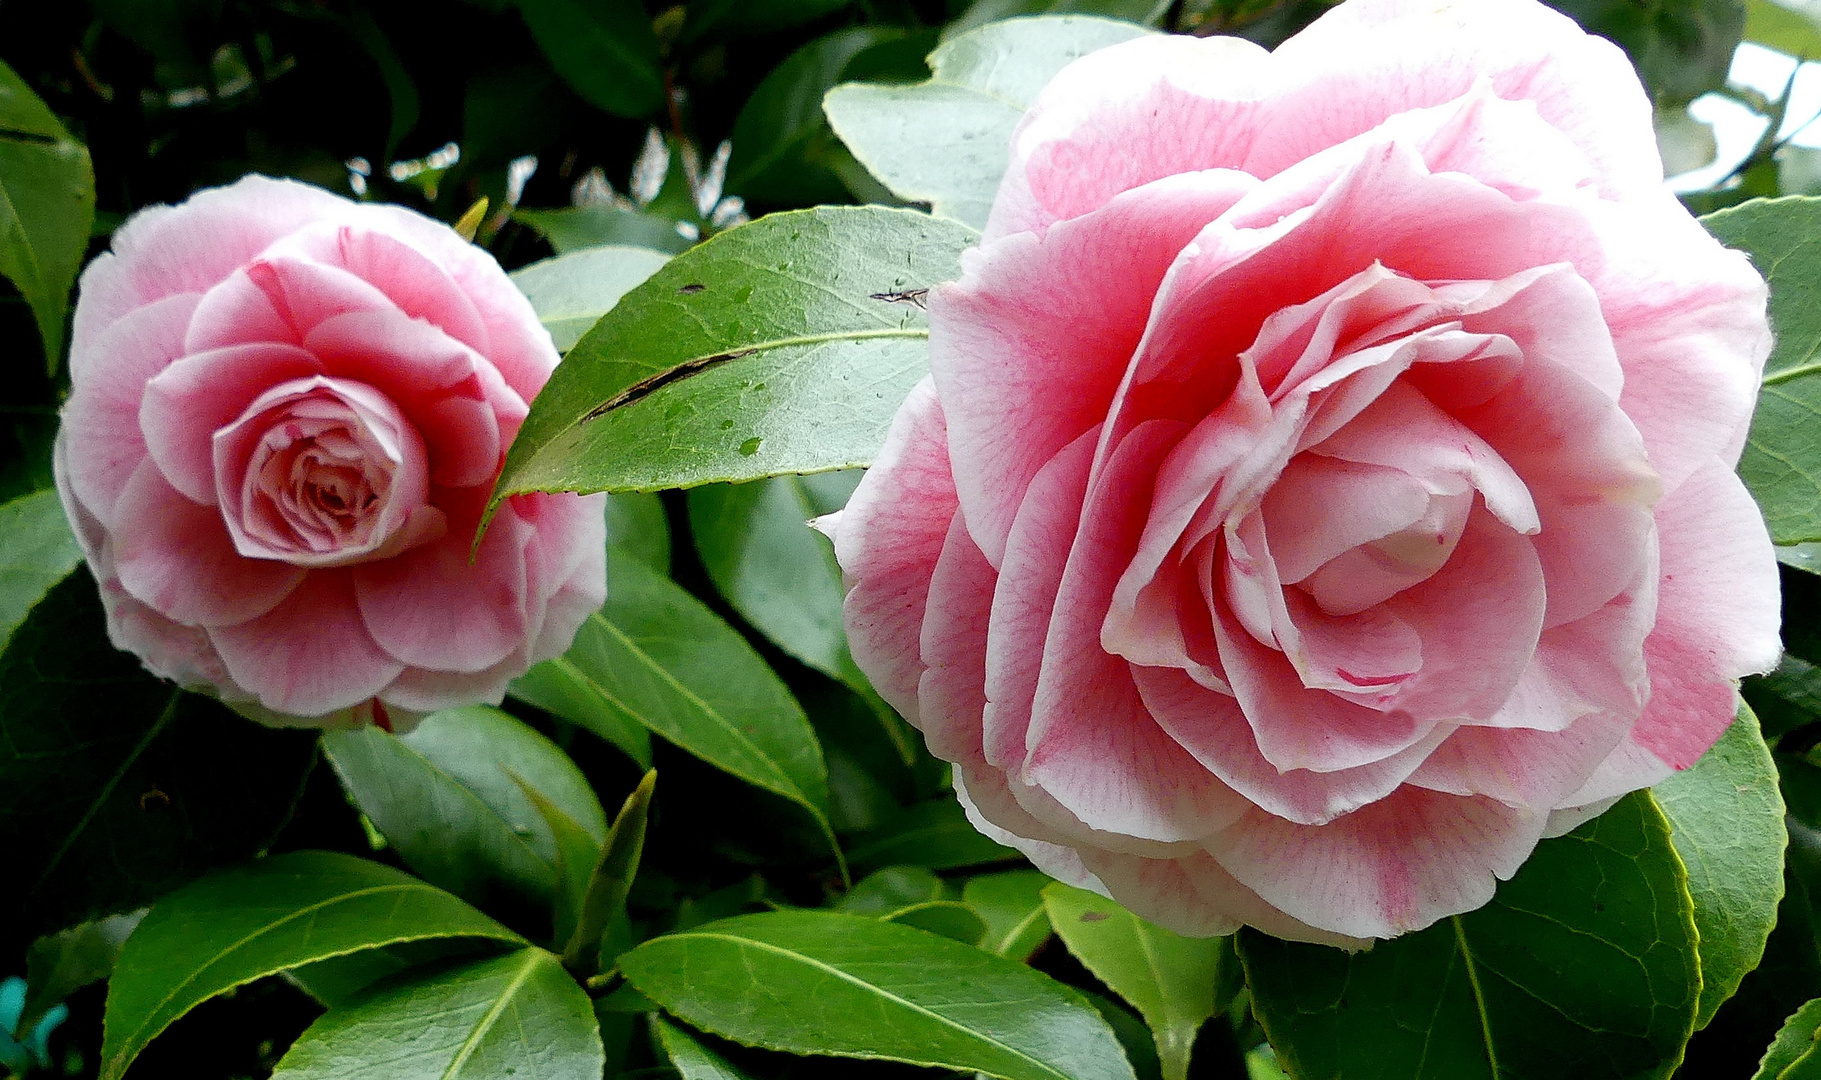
column 472, row 1042
column 812, row 962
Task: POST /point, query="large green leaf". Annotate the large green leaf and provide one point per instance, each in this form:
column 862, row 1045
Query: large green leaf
column 1782, row 459
column 47, row 200
column 935, row 833
column 774, row 347
column 654, row 655
column 1011, row 904
column 571, row 292
column 817, row 982
column 1168, row 978
column 116, row 786
column 37, row 550
column 1726, row 818
column 447, row 796
column 1583, row 966
column 1796, row 1052
column 948, row 141
column 277, row 913
column 1783, row 28
column 514, row 1015
column 604, row 49
column 686, row 1052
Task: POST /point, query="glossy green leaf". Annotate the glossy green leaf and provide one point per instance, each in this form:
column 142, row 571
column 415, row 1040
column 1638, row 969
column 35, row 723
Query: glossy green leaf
column 1783, row 28
column 62, row 963
column 1011, row 905
column 1583, row 965
column 657, row 657
column 277, row 913
column 572, row 229
column 514, row 1015
column 116, row 786
column 37, row 550
column 690, row 1058
column 1796, row 1052
column 890, row 889
column 765, row 350
column 605, row 899
column 447, row 798
column 636, row 525
column 947, row 141
column 1168, row 978
column 1801, row 556
column 1782, row 460
column 571, row 292
column 780, row 139
column 935, row 834
column 47, row 201
column 816, row 982
column 604, row 50
column 339, row 979
column 576, row 854
column 949, row 918
column 1726, row 818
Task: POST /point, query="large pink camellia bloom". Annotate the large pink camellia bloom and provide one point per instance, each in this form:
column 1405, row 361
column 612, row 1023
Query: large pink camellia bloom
column 287, row 413
column 1324, row 488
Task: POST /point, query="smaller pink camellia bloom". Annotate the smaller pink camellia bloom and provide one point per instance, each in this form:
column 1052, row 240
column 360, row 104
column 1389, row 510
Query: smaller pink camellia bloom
column 286, row 416
column 1324, row 487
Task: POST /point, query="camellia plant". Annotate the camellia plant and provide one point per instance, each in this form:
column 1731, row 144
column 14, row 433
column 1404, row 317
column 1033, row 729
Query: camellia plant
column 1107, row 541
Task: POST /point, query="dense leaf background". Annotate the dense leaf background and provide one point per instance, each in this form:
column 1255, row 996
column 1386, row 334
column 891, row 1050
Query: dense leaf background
column 698, row 844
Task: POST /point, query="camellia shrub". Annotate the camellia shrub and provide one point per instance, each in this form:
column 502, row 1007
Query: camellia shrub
column 1106, row 541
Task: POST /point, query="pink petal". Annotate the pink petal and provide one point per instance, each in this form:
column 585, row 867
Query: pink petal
column 1019, row 333
column 186, row 403
column 1520, row 766
column 419, row 286
column 1194, row 895
column 161, row 251
column 176, row 556
column 310, row 655
column 565, row 566
column 1396, row 865
column 101, row 418
column 432, row 608
column 951, row 695
column 1323, row 506
column 887, row 539
column 279, row 298
column 418, row 690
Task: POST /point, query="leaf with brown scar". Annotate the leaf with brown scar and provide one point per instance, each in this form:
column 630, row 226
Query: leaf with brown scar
column 646, row 387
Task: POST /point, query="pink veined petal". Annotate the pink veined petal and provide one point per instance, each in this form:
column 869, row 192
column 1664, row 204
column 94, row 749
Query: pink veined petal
column 1024, row 601
column 279, row 297
column 1553, row 315
column 887, row 540
column 1718, row 610
column 101, row 417
column 1055, row 859
column 159, row 252
column 420, row 690
column 1628, row 768
column 1030, row 811
column 1210, row 726
column 1361, row 63
column 170, row 650
column 1018, row 333
column 432, row 608
column 416, row 283
column 1396, row 865
column 1195, row 896
column 1523, row 766
column 175, row 556
column 186, row 403
column 310, row 655
column 1322, row 507
column 951, row 695
column 565, row 564
column 453, row 396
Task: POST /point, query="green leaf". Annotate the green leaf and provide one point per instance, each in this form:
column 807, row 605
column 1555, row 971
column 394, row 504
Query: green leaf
column 1583, row 966
column 445, row 797
column 578, row 228
column 1801, row 556
column 1011, row 905
column 605, row 899
column 1681, row 48
column 935, row 834
column 604, row 49
column 47, row 201
column 571, row 292
column 778, row 573
column 1785, row 29
column 890, row 889
column 780, row 139
column 637, row 527
column 657, row 657
column 278, row 913
column 690, row 1058
column 1782, row 460
column 514, row 1015
column 576, row 854
column 949, row 918
column 1787, row 698
column 948, row 141
column 115, row 786
column 62, row 963
column 1168, row 978
column 339, row 979
column 1145, row 12
column 37, row 550
column 1795, row 1055
column 817, row 982
column 1726, row 818
column 762, row 351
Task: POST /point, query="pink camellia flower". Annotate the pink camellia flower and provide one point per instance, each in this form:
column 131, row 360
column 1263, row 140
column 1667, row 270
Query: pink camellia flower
column 1324, row 487
column 286, row 416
